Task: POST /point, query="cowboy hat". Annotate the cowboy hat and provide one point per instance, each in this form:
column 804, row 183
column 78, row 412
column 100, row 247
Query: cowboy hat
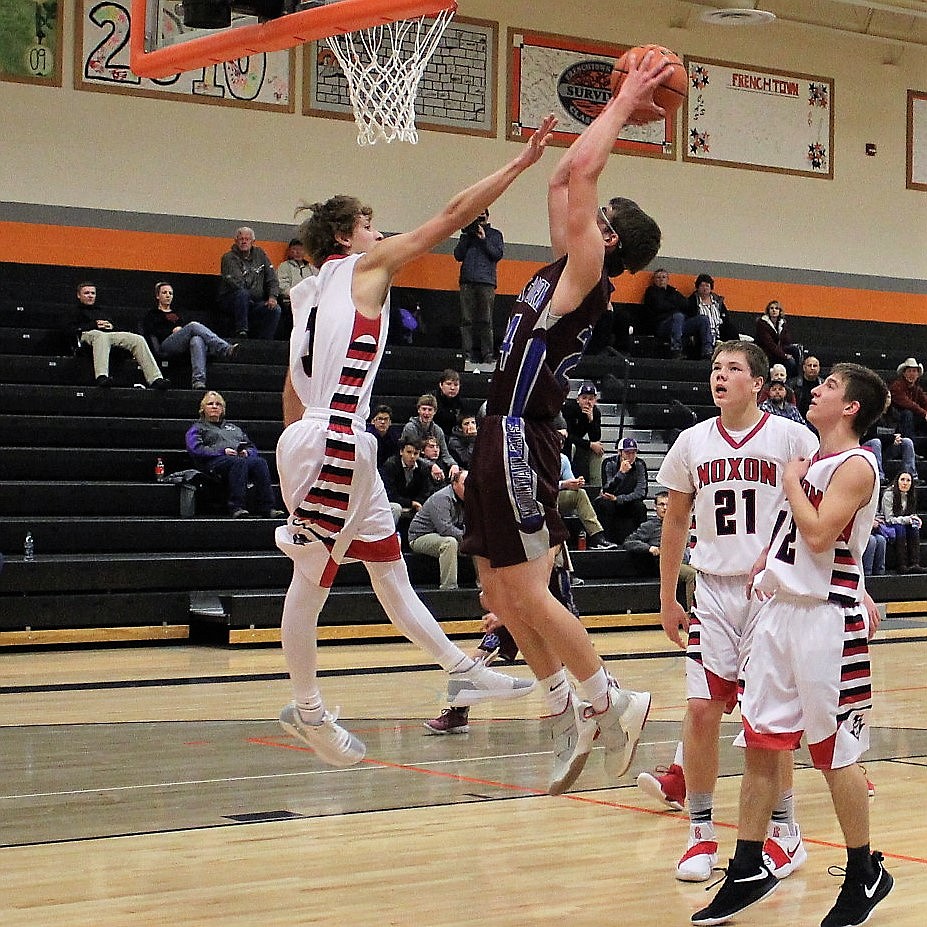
column 910, row 362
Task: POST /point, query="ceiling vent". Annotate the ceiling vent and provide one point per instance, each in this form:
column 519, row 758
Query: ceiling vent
column 737, row 17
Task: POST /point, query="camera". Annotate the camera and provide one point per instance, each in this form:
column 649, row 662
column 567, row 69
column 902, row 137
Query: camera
column 481, row 219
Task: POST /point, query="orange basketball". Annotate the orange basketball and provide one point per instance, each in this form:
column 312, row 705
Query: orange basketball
column 669, row 94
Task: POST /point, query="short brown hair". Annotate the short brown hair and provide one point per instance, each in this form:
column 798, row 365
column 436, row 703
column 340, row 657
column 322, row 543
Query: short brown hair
column 638, row 233
column 427, row 399
column 865, row 386
column 336, row 216
column 756, row 358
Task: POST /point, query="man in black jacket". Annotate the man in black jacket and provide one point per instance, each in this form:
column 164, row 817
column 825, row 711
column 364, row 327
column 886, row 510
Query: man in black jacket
column 94, row 328
column 665, row 314
column 406, row 481
column 479, row 251
column 620, row 505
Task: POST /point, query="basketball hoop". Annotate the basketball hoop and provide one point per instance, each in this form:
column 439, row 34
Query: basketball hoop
column 383, row 66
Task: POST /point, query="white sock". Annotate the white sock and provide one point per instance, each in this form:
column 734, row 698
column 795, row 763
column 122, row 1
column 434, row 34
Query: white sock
column 406, row 610
column 312, row 711
column 677, row 759
column 556, row 691
column 301, row 607
column 595, row 690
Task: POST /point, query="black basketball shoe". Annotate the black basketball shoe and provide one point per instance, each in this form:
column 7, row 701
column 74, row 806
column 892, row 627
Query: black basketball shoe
column 857, row 898
column 739, row 890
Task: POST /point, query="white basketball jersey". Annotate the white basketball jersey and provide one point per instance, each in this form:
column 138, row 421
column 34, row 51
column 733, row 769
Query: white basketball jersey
column 737, row 481
column 334, row 351
column 836, row 574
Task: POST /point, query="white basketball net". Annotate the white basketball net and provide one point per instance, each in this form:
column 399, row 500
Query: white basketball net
column 383, row 66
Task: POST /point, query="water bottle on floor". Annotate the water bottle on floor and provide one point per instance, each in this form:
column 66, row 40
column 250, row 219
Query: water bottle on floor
column 29, row 548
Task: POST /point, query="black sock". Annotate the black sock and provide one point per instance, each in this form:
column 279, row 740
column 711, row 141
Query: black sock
column 859, row 862
column 748, row 855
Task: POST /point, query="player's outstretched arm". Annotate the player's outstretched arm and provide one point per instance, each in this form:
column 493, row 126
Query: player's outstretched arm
column 672, row 544
column 380, row 263
column 572, row 200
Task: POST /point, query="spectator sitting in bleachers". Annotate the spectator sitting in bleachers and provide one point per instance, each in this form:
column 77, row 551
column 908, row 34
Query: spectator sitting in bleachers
column 620, row 506
column 909, row 401
column 645, row 539
column 462, row 439
column 385, row 433
column 92, row 327
column 888, row 445
column 449, row 406
column 583, row 443
column 438, row 473
column 805, row 382
column 777, row 374
column 292, row 270
column 436, row 529
column 248, row 288
column 899, row 509
column 406, row 480
column 874, row 554
column 221, row 447
column 773, row 336
column 170, row 336
column 777, row 403
column 666, row 315
column 572, row 499
column 705, row 302
column 422, row 426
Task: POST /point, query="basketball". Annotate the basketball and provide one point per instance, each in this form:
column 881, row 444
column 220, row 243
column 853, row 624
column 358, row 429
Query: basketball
column 671, row 91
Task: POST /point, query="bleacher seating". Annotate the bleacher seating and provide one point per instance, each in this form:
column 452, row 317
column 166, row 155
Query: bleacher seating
column 112, row 550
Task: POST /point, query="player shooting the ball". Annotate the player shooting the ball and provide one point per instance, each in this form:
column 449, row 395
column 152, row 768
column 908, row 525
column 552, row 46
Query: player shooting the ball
column 512, row 523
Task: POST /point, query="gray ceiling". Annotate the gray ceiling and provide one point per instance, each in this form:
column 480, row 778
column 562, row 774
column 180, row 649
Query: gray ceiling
column 901, row 22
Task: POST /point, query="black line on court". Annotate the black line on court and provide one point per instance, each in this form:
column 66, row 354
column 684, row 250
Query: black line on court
column 330, row 673
column 269, row 677
column 305, row 817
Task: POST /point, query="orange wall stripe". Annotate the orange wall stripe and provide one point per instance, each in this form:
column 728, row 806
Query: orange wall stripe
column 167, row 253
column 118, row 249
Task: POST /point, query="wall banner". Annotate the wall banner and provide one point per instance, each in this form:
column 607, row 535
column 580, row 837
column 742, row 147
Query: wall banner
column 570, row 77
column 30, row 41
column 762, row 120
column 101, row 63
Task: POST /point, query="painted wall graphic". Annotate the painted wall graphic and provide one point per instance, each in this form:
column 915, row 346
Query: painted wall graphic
column 101, row 63
column 917, row 140
column 570, row 77
column 761, row 120
column 30, row 41
column 457, row 91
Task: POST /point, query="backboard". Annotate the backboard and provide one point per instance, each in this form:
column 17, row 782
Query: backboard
column 161, row 46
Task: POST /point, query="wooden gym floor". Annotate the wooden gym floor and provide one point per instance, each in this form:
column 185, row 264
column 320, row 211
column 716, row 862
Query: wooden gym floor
column 153, row 786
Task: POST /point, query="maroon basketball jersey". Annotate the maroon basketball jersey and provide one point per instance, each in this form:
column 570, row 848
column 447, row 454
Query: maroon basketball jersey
column 539, row 349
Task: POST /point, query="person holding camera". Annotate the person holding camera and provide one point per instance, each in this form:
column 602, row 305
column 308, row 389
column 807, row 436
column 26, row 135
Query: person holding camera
column 221, row 447
column 479, row 250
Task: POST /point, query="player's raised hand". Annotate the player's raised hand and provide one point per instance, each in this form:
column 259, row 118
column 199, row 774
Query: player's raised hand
column 535, row 146
column 637, row 89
